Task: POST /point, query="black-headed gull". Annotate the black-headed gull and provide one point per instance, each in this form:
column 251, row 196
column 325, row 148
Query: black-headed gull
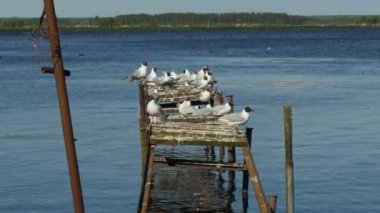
column 164, row 80
column 220, row 110
column 185, row 108
column 236, row 118
column 203, row 111
column 140, row 73
column 205, row 96
column 201, row 83
column 155, row 110
column 152, row 75
column 201, row 73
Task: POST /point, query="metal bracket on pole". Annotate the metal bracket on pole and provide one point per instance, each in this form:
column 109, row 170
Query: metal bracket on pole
column 50, row 70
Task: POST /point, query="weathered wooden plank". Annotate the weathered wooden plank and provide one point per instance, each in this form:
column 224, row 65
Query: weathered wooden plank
column 200, row 164
column 192, row 119
column 209, row 126
column 198, row 141
column 196, row 133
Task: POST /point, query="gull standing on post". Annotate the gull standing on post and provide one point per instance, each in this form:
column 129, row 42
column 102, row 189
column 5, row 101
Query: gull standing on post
column 138, row 74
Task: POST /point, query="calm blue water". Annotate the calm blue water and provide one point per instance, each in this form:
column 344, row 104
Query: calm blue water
column 331, row 77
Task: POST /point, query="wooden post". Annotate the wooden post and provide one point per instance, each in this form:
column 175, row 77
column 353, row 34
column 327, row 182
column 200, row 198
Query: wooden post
column 64, row 106
column 218, row 100
column 146, row 186
column 248, row 132
column 272, row 201
column 289, row 159
column 230, row 99
column 143, row 127
column 256, row 182
column 231, row 150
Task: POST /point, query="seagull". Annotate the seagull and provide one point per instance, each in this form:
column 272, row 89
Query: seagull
column 185, row 76
column 220, row 110
column 164, row 80
column 155, row 95
column 201, row 73
column 209, row 76
column 183, row 87
column 139, row 73
column 205, row 96
column 185, row 108
column 152, row 76
column 203, row 111
column 200, row 83
column 236, row 118
column 155, row 110
column 174, row 75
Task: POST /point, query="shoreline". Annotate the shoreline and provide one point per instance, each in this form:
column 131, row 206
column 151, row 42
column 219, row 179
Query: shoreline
column 250, row 20
column 185, row 27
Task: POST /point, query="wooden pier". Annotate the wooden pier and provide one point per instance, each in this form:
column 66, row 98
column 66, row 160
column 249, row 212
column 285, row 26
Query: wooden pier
column 203, row 131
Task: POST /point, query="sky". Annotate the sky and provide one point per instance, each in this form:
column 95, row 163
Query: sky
column 110, row 8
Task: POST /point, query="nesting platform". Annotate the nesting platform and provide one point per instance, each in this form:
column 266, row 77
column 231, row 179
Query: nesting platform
column 191, row 131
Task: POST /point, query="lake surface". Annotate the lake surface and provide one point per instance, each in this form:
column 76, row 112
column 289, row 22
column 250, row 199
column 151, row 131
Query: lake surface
column 331, row 77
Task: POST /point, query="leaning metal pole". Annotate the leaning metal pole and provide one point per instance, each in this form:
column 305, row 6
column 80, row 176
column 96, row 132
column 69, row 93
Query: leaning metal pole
column 64, row 106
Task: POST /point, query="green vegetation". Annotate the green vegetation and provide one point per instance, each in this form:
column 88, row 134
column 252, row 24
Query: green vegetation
column 196, row 20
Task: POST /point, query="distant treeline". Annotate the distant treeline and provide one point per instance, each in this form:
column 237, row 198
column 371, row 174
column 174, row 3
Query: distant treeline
column 197, row 20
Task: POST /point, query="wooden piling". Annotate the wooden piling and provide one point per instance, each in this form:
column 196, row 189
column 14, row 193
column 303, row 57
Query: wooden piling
column 231, row 150
column 143, row 126
column 147, row 181
column 272, row 201
column 256, row 182
column 230, row 100
column 248, row 132
column 218, row 100
column 289, row 159
column 64, row 106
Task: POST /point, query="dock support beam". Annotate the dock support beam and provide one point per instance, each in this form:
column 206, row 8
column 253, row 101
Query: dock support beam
column 231, row 150
column 248, row 132
column 147, row 182
column 64, row 106
column 255, row 179
column 289, row 159
column 143, row 127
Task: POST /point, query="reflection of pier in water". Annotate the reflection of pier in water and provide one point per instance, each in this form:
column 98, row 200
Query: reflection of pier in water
column 189, row 189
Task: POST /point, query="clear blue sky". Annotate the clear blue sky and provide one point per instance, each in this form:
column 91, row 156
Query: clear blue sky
column 102, row 8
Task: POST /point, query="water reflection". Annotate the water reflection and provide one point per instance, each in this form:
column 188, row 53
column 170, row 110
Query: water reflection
column 179, row 189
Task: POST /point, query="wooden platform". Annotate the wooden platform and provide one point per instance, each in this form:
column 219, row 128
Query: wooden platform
column 191, row 131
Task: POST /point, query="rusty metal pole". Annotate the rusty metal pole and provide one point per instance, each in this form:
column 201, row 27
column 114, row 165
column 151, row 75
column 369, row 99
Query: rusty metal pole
column 64, row 106
column 289, row 159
